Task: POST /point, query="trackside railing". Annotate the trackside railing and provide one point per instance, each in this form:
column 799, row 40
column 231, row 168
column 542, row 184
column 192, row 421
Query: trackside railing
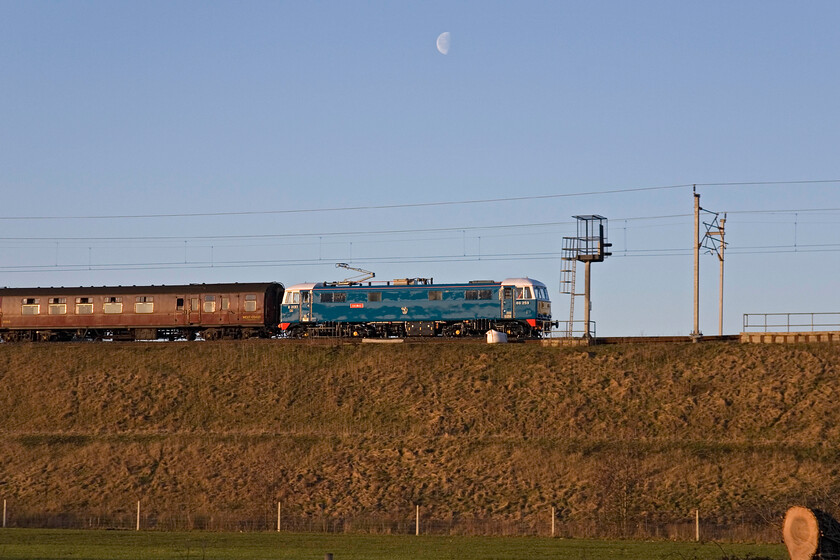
column 791, row 322
column 575, row 329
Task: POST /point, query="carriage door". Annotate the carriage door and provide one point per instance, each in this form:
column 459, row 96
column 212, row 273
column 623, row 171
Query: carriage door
column 182, row 316
column 508, row 303
column 305, row 306
column 194, row 310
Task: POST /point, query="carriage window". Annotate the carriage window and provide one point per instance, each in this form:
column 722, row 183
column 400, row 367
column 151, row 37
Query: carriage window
column 112, row 305
column 225, row 303
column 144, row 304
column 209, row 304
column 195, row 304
column 30, row 306
column 374, row 296
column 251, row 302
column 179, row 304
column 84, row 306
column 58, row 306
column 435, row 295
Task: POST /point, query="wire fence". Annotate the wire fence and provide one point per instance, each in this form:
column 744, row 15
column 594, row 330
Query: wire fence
column 678, row 526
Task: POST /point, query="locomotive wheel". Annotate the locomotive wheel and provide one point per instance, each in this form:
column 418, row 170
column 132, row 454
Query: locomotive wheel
column 513, row 330
column 295, row 332
column 361, row 331
column 453, row 330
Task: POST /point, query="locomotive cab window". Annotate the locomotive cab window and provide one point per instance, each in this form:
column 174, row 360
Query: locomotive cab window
column 289, row 298
column 58, row 306
column 30, row 306
column 144, row 304
column 209, row 304
column 251, row 302
column 523, row 292
column 112, row 305
column 84, row 306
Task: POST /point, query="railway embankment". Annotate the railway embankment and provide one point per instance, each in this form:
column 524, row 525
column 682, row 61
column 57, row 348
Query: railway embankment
column 465, row 430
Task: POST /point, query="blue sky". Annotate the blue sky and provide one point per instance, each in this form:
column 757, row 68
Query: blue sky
column 231, row 108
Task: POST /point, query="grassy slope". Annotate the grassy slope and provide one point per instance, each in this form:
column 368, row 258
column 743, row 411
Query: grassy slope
column 501, row 431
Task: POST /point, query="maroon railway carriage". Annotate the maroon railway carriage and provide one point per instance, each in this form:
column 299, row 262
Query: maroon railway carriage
column 212, row 311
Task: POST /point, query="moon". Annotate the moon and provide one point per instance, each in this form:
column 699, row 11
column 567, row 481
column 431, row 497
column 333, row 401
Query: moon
column 443, row 42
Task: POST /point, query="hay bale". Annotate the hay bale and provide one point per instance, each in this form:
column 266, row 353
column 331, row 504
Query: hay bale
column 811, row 534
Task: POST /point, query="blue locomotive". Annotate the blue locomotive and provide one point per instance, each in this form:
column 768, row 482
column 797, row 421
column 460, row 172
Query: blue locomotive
column 411, row 307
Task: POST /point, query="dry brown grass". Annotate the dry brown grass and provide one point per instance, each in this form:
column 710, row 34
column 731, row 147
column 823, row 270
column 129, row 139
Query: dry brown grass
column 506, row 431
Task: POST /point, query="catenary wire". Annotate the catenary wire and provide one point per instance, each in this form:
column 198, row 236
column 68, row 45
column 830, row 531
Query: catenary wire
column 421, row 204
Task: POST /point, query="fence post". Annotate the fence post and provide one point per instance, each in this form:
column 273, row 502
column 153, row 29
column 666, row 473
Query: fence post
column 417, row 520
column 553, row 517
column 278, row 517
column 697, row 525
column 4, row 513
column 138, row 516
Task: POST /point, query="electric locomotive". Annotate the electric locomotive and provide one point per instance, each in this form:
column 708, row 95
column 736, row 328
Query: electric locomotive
column 410, row 307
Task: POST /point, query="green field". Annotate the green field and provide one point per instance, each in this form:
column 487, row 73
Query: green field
column 129, row 545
